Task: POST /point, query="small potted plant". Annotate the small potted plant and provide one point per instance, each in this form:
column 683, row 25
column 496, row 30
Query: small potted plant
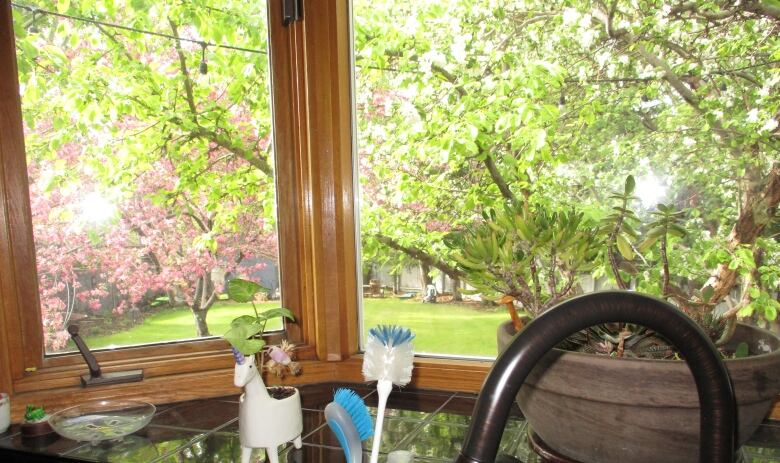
column 268, row 416
column 625, row 403
column 36, row 422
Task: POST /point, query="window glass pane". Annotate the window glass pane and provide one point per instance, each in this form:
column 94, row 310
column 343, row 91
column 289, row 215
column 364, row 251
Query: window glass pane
column 496, row 140
column 150, row 163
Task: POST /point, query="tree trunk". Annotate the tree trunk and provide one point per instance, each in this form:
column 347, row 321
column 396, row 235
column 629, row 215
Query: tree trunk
column 200, row 322
column 425, row 275
column 456, row 294
column 204, row 298
column 759, row 207
column 171, row 298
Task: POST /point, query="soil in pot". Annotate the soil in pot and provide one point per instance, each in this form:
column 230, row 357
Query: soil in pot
column 281, row 392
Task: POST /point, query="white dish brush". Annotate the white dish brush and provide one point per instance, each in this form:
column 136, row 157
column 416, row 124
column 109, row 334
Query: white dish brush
column 388, row 360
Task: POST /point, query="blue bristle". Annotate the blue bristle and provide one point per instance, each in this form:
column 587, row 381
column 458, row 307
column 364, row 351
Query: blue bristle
column 391, row 335
column 354, row 405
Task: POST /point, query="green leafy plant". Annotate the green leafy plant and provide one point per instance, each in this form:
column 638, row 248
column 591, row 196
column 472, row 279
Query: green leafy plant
column 531, row 255
column 699, row 304
column 245, row 333
column 33, row 413
column 667, row 223
column 532, row 258
column 619, row 230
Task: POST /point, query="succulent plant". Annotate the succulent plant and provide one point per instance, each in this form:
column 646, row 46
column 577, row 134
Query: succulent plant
column 33, row 413
column 531, row 255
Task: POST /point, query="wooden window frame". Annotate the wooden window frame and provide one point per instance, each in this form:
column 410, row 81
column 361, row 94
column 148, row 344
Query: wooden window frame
column 311, row 76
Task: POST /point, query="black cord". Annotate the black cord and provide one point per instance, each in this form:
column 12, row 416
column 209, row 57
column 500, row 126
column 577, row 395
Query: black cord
column 36, row 10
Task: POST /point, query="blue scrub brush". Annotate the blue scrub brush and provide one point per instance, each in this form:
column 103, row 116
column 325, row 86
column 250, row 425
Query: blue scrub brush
column 388, row 360
column 350, row 421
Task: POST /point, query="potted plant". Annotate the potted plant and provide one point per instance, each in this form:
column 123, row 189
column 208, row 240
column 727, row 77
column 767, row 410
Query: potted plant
column 36, row 422
column 268, row 416
column 631, row 402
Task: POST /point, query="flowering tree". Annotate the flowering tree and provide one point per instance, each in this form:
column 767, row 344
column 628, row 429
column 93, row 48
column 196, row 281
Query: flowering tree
column 148, row 155
column 466, row 105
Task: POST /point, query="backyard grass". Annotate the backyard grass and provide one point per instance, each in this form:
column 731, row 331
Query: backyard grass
column 453, row 329
column 178, row 323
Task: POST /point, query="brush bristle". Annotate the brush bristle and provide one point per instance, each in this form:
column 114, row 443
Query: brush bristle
column 391, row 335
column 354, row 405
column 389, row 355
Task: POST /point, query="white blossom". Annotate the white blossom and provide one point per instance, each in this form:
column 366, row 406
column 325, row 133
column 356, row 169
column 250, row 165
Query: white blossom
column 458, row 50
column 769, row 125
column 752, row 116
column 410, row 26
column 570, row 16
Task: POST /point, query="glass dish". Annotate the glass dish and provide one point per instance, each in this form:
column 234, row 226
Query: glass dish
column 102, row 420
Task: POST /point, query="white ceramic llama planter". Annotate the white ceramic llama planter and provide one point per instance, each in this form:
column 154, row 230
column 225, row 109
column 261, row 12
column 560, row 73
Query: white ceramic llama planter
column 264, row 422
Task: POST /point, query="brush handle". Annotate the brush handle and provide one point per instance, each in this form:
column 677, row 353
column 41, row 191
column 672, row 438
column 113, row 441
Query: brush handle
column 383, row 388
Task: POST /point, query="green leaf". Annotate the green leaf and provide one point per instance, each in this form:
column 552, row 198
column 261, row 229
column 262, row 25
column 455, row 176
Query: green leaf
column 706, row 293
column 676, row 230
column 63, row 6
column 625, row 247
column 242, row 320
column 742, row 350
column 241, row 290
column 770, row 313
column 746, row 311
column 648, row 242
column 238, row 336
column 276, row 312
column 629, row 186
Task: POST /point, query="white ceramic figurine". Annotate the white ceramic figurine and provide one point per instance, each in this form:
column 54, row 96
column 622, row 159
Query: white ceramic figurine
column 263, row 421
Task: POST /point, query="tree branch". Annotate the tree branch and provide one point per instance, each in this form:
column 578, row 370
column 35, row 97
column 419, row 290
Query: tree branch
column 228, row 143
column 757, row 211
column 763, row 8
column 692, row 7
column 422, row 256
column 183, row 66
column 219, row 139
column 499, row 180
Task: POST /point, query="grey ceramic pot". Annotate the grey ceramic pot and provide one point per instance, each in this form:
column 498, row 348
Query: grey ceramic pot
column 597, row 409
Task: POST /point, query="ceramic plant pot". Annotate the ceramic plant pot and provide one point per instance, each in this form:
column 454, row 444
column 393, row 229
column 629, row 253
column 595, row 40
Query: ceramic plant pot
column 263, row 420
column 596, row 409
column 269, row 424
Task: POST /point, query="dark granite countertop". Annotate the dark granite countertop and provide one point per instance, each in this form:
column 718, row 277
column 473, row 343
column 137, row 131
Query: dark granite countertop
column 431, row 424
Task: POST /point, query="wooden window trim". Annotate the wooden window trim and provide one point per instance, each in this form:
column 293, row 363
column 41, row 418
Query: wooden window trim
column 25, row 371
column 311, row 92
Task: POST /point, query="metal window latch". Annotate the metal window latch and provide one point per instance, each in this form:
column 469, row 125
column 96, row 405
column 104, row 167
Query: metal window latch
column 97, row 377
column 292, row 10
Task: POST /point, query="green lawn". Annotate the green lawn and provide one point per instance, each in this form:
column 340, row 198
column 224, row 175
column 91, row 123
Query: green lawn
column 440, row 328
column 178, row 323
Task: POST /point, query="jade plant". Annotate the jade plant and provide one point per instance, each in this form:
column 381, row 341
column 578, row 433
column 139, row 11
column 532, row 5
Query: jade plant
column 246, row 332
column 531, row 257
